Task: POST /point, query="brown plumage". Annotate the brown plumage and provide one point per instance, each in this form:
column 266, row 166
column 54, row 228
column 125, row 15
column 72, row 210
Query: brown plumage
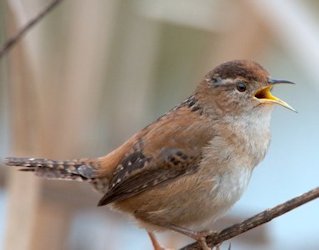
column 191, row 164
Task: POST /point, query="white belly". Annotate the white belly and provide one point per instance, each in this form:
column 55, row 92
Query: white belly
column 232, row 184
column 226, row 189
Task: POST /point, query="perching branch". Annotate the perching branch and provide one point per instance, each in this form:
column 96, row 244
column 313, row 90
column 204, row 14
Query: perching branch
column 9, row 43
column 256, row 220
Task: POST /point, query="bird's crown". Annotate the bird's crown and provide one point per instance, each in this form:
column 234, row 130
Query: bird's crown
column 245, row 69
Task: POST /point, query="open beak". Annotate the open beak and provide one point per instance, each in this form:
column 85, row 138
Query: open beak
column 264, row 95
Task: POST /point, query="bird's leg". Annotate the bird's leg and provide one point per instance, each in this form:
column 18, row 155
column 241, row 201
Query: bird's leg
column 200, row 237
column 155, row 243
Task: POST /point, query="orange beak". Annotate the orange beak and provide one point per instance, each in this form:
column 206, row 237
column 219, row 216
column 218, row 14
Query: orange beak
column 264, row 95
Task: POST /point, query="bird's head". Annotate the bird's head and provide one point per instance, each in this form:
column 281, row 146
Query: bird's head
column 240, row 86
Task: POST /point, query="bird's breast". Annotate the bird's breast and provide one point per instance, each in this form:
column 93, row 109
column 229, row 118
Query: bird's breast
column 227, row 175
column 228, row 186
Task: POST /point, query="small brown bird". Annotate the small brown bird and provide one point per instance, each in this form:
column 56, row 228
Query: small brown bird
column 192, row 164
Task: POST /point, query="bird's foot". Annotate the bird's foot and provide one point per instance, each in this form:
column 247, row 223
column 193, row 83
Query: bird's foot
column 200, row 237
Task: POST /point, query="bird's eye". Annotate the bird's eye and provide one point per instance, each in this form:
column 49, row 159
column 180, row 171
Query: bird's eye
column 241, row 87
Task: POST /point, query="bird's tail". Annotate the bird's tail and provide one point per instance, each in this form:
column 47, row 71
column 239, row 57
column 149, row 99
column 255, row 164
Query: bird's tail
column 78, row 170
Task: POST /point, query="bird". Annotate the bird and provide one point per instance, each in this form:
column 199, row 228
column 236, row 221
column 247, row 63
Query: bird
column 187, row 168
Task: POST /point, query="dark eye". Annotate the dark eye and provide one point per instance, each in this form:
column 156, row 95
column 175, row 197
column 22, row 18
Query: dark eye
column 241, row 87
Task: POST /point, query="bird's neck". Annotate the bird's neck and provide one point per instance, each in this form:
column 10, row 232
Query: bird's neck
column 252, row 132
column 252, row 123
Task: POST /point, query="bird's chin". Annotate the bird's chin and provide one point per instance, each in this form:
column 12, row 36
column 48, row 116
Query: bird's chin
column 264, row 107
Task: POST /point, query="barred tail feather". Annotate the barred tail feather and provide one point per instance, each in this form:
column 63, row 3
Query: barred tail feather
column 78, row 170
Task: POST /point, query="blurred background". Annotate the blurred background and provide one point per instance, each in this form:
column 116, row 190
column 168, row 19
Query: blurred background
column 94, row 72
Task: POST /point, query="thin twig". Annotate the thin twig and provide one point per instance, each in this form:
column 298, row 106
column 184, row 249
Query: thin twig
column 257, row 220
column 17, row 37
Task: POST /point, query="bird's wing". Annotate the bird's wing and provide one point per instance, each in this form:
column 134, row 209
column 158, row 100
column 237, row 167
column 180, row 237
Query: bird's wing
column 167, row 149
column 143, row 173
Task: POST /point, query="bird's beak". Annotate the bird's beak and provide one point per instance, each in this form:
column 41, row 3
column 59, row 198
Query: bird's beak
column 264, row 95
